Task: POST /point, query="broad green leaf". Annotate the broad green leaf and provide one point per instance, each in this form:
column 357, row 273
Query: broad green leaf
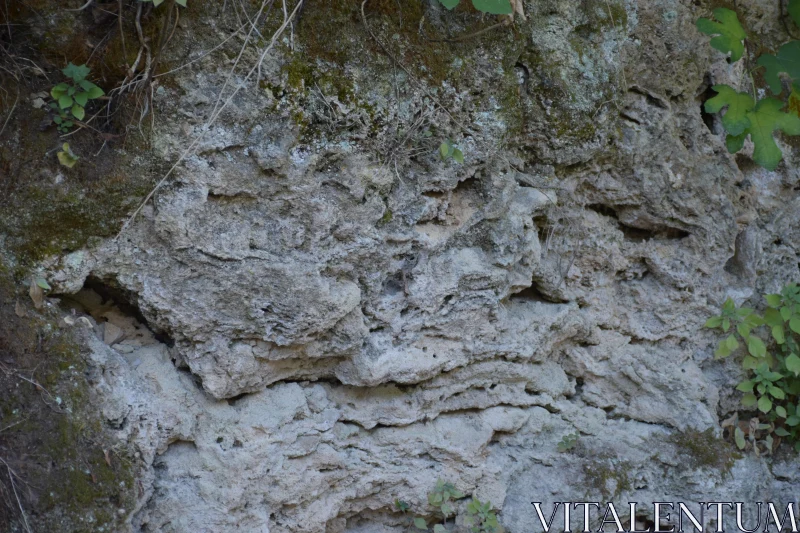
column 773, row 317
column 449, row 4
column 81, row 98
column 420, row 523
column 78, row 112
column 792, row 421
column 744, row 330
column 41, row 282
column 86, row 85
column 793, row 364
column 458, row 156
column 494, row 7
column 765, row 119
column 749, row 400
column 739, row 436
column 58, row 120
column 777, row 393
column 745, row 386
column 781, row 412
column 787, row 60
column 65, row 101
column 181, row 3
column 774, row 300
column 713, row 322
column 731, row 343
column 729, row 32
column 786, row 313
column 794, row 324
column 445, row 150
column 764, row 404
column 59, row 90
column 756, row 347
column 735, row 119
column 794, row 11
column 95, row 92
column 726, row 325
column 439, row 528
column 761, row 388
column 778, row 335
column 157, row 3
column 722, row 351
column 76, row 72
column 780, row 431
column 749, row 362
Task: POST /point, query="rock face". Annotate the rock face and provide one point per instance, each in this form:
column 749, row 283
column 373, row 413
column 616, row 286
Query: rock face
column 341, row 318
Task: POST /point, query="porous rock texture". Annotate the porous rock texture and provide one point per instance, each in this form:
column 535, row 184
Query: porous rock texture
column 340, row 318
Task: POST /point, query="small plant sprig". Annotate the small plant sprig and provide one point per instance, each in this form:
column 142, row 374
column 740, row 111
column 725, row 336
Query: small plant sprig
column 480, row 517
column 568, row 442
column 747, row 115
column 771, row 360
column 448, row 150
column 70, row 98
column 493, row 7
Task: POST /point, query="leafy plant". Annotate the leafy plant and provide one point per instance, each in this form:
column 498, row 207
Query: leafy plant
column 771, row 358
column 447, row 150
column 66, row 156
column 568, row 442
column 746, row 115
column 493, row 7
column 70, row 98
column 479, row 518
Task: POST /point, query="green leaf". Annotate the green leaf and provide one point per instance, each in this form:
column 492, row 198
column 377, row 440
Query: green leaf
column 745, row 386
column 58, row 120
column 749, row 400
column 749, row 362
column 735, row 119
column 41, row 282
column 786, row 313
column 713, row 322
column 81, row 98
column 76, row 72
column 65, row 101
column 764, row 404
column 723, row 351
column 765, row 119
column 86, row 85
column 59, row 90
column 449, row 4
column 781, row 411
column 744, row 330
column 445, row 150
column 774, row 300
column 729, row 32
column 439, row 528
column 78, row 112
column 66, row 157
column 773, row 317
column 493, row 7
column 756, row 347
column 778, row 335
column 777, row 393
column 794, row 11
column 181, row 3
column 420, row 523
column 739, row 436
column 447, row 509
column 458, row 156
column 726, row 325
column 794, row 324
column 731, row 343
column 792, row 421
column 787, row 60
column 157, row 3
column 793, row 364
column 780, row 431
column 95, row 92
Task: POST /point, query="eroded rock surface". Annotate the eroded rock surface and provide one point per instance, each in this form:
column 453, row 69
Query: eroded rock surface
column 347, row 319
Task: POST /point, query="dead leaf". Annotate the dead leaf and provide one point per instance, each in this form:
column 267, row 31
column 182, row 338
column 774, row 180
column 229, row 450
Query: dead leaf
column 37, row 295
column 108, row 458
column 19, row 310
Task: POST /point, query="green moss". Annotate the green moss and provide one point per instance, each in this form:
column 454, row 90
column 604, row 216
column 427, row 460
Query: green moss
column 607, row 477
column 704, row 450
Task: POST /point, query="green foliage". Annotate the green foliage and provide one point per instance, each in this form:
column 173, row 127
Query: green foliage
column 493, row 7
column 479, row 517
column 770, row 345
column 568, row 442
column 447, row 150
column 744, row 116
column 729, row 32
column 70, row 98
column 66, row 157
